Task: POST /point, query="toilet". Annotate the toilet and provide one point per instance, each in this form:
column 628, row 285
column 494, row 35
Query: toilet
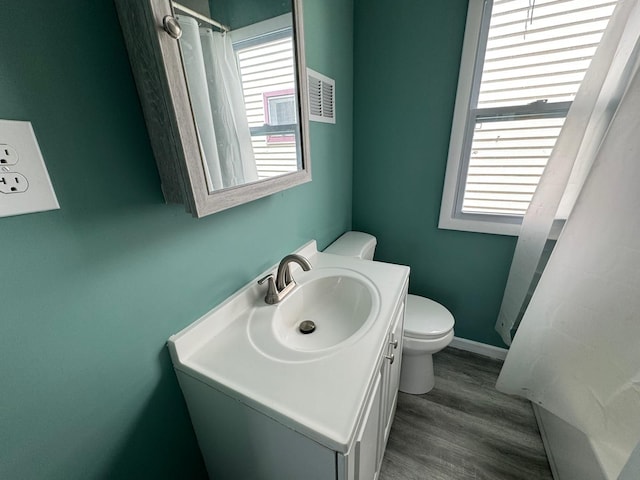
column 428, row 326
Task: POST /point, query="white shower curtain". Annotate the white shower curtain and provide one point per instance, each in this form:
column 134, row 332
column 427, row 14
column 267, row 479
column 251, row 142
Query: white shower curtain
column 228, row 109
column 585, row 126
column 577, row 350
column 191, row 49
column 217, row 101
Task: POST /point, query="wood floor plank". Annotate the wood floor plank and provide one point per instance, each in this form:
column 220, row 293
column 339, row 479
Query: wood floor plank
column 464, row 429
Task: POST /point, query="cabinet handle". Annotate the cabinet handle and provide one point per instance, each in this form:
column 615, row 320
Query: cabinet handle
column 391, row 358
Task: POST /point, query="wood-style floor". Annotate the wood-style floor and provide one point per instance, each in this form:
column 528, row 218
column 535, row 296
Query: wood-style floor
column 464, row 428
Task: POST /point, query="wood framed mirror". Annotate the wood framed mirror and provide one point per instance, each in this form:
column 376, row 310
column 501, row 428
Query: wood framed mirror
column 224, row 96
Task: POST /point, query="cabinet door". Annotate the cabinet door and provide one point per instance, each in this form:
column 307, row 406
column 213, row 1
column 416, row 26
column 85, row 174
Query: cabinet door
column 392, row 374
column 366, row 448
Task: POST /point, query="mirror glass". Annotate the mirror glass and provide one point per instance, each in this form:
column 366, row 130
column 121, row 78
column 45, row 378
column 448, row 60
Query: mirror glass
column 239, row 58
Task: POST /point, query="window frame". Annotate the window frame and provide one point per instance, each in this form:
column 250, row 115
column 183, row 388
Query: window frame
column 451, row 218
column 465, row 117
column 288, row 93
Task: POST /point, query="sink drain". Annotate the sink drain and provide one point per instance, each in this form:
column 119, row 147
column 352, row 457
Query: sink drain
column 307, row 326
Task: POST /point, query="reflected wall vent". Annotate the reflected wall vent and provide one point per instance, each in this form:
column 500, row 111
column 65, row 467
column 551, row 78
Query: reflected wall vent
column 322, row 101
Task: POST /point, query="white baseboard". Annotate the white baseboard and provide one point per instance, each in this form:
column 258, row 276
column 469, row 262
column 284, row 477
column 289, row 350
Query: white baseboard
column 479, row 348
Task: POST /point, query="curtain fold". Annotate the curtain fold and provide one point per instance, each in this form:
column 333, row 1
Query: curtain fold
column 238, row 163
column 577, row 350
column 191, row 49
column 217, row 101
column 570, row 162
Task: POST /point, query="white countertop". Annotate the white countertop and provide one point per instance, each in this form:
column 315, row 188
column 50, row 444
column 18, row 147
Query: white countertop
column 320, row 397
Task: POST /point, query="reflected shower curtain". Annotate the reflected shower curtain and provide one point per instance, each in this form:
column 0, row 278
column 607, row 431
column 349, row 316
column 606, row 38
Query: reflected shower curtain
column 577, row 350
column 227, row 106
column 217, row 101
column 191, row 48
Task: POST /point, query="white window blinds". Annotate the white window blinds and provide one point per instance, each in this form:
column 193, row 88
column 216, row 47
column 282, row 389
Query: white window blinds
column 536, row 54
column 267, row 69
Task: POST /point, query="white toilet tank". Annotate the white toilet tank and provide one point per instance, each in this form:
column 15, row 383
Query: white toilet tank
column 354, row 244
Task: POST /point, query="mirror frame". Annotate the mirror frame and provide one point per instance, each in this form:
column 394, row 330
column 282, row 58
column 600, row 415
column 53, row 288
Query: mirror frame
column 162, row 87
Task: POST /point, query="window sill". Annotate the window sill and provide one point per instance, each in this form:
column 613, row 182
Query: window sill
column 494, row 227
column 480, row 226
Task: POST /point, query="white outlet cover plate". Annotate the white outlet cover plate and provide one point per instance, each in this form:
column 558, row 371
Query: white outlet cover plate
column 39, row 196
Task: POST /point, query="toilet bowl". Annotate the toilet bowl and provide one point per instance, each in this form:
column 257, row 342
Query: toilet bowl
column 428, row 326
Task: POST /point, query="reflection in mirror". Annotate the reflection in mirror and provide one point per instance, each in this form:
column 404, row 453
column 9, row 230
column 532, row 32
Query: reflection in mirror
column 242, row 87
column 223, row 103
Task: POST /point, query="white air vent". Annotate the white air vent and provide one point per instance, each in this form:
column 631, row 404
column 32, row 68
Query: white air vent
column 322, row 100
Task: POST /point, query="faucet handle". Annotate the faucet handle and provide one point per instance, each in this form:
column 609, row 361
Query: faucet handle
column 272, row 292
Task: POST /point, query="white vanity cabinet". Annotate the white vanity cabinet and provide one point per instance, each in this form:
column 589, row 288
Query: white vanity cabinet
column 239, row 442
column 366, row 449
column 392, row 373
column 267, row 413
column 365, row 459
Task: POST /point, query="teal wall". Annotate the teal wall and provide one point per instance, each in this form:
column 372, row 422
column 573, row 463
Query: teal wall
column 240, row 13
column 407, row 56
column 91, row 292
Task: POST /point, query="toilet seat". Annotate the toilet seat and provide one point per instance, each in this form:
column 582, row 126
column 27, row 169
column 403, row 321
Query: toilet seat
column 426, row 319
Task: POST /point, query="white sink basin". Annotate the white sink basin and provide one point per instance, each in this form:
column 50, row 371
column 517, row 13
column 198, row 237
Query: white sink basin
column 341, row 303
column 255, row 354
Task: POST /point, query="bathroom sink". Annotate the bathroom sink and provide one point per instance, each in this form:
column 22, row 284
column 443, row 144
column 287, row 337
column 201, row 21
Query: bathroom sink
column 329, row 308
column 247, row 353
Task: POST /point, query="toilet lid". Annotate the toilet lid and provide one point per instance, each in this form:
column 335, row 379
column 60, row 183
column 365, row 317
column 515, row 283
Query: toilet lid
column 425, row 318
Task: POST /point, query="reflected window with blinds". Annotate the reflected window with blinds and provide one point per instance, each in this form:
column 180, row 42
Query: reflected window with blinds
column 530, row 58
column 267, row 68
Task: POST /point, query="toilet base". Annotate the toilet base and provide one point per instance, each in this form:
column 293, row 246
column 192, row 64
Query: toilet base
column 416, row 373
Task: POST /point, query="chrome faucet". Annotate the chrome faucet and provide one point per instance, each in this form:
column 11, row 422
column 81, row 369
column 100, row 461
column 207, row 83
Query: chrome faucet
column 279, row 288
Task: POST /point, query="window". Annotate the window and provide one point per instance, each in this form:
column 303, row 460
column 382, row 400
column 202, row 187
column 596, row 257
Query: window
column 522, row 64
column 280, row 110
column 266, row 61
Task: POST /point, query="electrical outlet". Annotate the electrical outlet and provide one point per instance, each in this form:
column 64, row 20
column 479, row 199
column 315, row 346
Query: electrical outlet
column 8, row 155
column 25, row 186
column 13, row 182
